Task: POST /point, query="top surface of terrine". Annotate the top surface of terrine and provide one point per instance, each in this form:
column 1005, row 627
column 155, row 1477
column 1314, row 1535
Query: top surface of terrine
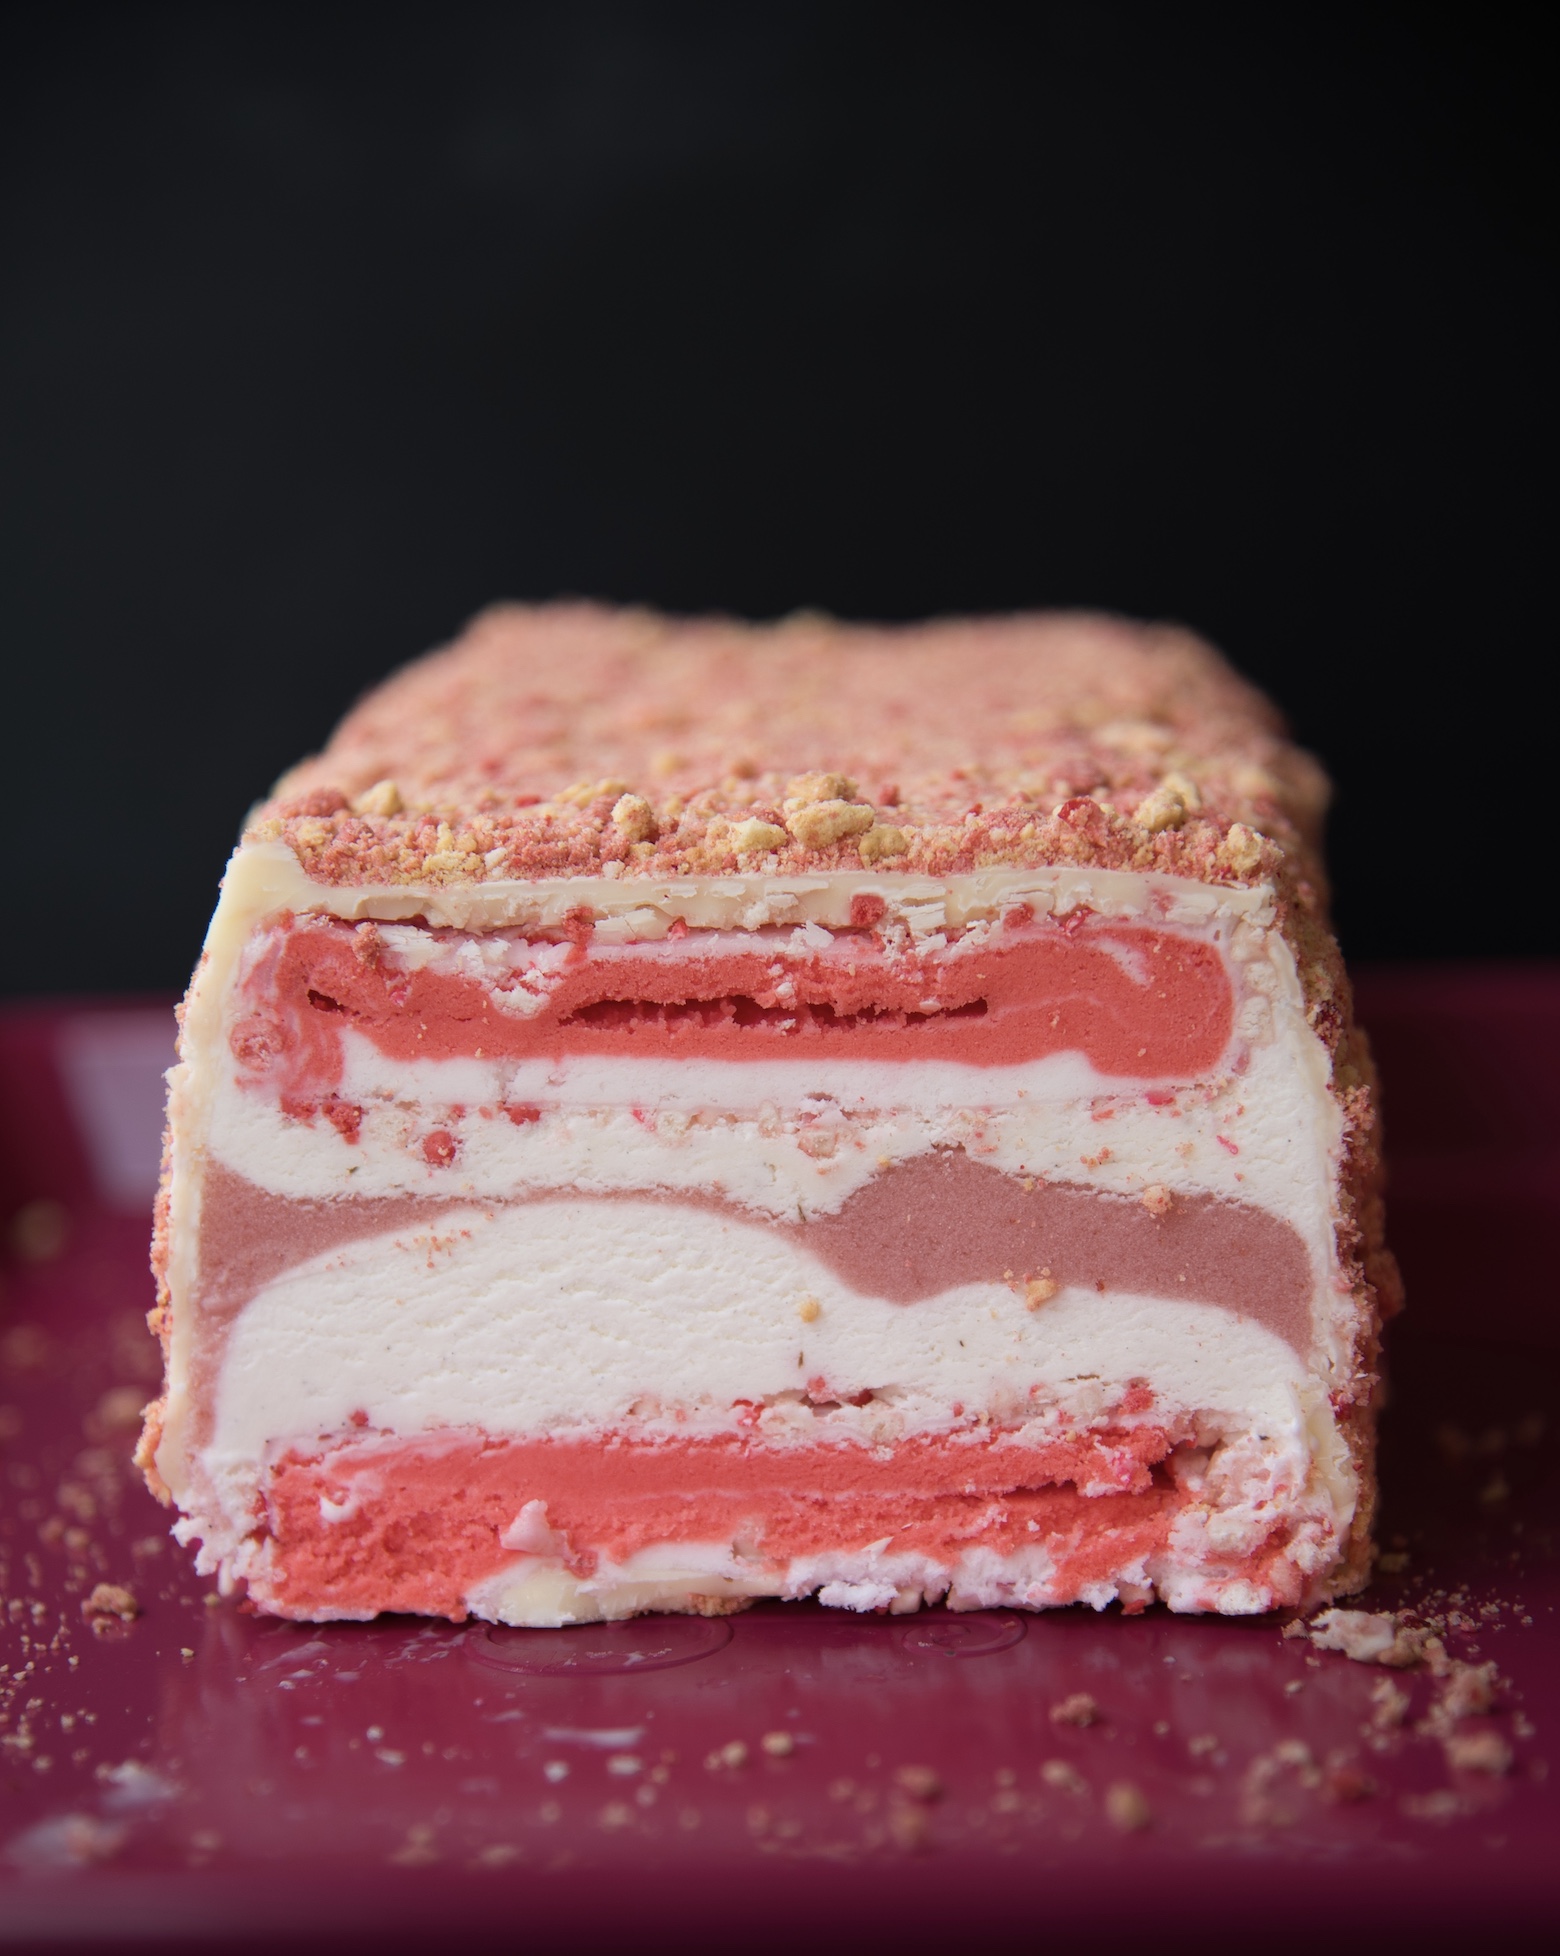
column 570, row 740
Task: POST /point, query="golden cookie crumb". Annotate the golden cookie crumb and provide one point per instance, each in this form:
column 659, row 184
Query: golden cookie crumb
column 808, row 788
column 1163, row 809
column 754, row 837
column 1077, row 1709
column 384, row 798
column 920, row 1782
column 883, row 840
column 820, row 824
column 634, row 818
column 1127, row 1808
column 1241, row 849
column 111, row 1599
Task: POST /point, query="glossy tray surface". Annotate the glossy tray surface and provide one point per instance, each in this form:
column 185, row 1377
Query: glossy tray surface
column 193, row 1773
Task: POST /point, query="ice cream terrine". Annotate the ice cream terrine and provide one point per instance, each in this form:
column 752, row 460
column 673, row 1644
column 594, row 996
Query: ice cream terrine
column 674, row 1112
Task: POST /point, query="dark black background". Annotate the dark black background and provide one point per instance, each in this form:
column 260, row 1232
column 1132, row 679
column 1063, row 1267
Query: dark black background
column 323, row 326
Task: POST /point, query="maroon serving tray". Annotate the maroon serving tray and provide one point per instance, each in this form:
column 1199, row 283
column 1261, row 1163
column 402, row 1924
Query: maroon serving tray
column 198, row 1775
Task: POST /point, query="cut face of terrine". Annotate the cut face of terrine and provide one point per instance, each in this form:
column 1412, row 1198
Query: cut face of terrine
column 672, row 1112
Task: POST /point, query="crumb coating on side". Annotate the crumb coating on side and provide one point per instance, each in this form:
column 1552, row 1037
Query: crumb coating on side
column 575, row 740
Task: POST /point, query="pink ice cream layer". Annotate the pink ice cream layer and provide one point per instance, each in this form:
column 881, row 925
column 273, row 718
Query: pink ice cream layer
column 421, row 1523
column 1137, row 1003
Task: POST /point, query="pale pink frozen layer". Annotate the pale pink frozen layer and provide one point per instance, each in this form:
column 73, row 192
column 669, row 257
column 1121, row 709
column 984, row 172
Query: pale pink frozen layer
column 1138, row 1003
column 420, row 1525
column 918, row 1228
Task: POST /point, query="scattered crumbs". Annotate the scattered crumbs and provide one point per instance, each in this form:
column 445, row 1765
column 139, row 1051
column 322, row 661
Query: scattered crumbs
column 418, row 1850
column 909, row 1828
column 1345, row 1784
column 1389, row 1705
column 1477, row 1752
column 919, row 1782
column 119, row 1410
column 624, row 1765
column 1157, row 1199
column 73, row 1840
column 1375, row 1638
column 734, row 1753
column 808, row 1310
column 1077, row 1709
column 1294, row 1687
column 1064, row 1776
column 1261, row 1796
column 1467, row 1691
column 109, row 1602
column 389, row 1756
column 779, row 1745
column 1441, row 1805
column 1200, row 1746
column 24, row 1348
column 1126, row 1808
column 39, row 1230
column 555, row 1770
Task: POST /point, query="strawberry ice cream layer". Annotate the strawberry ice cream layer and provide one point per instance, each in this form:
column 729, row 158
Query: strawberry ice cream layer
column 613, row 1256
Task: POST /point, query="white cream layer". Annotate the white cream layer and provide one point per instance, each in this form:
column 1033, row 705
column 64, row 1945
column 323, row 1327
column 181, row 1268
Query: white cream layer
column 778, row 1132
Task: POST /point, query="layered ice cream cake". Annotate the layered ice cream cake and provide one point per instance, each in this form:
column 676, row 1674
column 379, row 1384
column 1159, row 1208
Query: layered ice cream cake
column 673, row 1112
